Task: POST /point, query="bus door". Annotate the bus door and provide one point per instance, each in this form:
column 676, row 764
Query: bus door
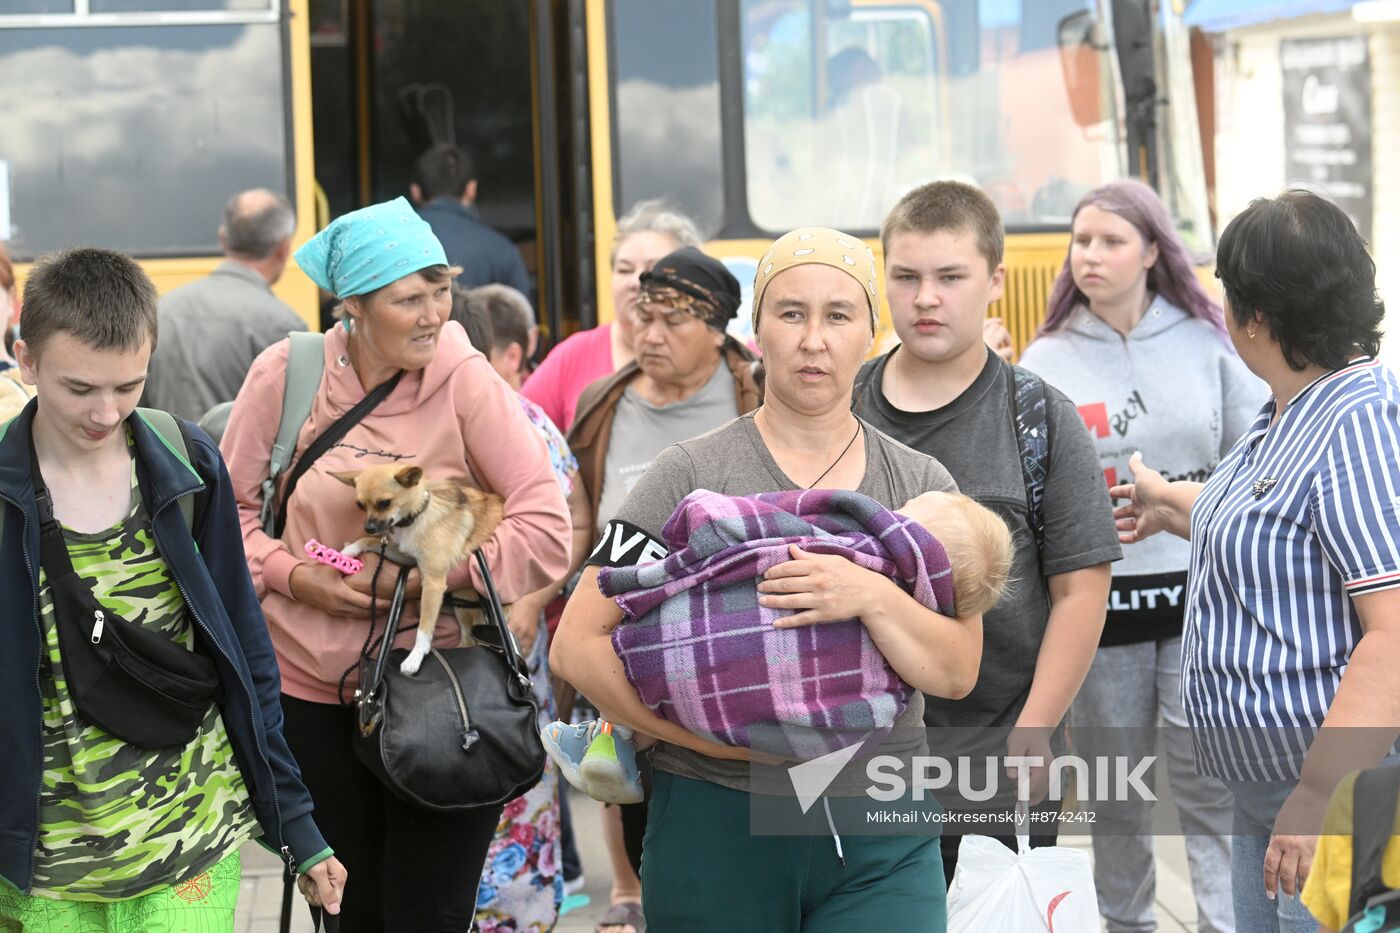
column 390, row 78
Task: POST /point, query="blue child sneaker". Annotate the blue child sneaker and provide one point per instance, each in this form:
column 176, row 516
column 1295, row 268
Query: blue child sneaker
column 609, row 766
column 566, row 745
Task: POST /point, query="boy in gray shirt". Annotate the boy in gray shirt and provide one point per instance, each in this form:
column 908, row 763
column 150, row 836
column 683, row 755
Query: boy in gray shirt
column 943, row 393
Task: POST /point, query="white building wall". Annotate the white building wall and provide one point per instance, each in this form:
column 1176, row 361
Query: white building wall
column 1249, row 137
column 1385, row 159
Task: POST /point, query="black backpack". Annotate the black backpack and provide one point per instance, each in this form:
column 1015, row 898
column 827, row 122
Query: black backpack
column 1374, row 908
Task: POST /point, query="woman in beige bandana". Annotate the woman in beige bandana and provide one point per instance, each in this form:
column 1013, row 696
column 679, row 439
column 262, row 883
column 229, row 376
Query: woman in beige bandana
column 702, row 867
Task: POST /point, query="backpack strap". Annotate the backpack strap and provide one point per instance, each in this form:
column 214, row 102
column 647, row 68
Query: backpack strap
column 306, row 361
column 1373, row 795
column 1029, row 418
column 173, row 432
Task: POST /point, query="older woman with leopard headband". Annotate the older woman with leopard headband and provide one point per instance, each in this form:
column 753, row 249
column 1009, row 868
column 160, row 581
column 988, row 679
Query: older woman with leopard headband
column 814, row 311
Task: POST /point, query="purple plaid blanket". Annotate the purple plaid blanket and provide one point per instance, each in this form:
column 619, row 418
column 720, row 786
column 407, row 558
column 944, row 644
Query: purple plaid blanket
column 702, row 653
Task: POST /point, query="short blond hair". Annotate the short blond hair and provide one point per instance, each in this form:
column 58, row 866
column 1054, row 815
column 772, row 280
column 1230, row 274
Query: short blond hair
column 980, row 549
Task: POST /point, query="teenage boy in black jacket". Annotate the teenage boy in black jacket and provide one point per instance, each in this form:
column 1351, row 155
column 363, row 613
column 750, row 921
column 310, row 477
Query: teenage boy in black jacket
column 93, row 826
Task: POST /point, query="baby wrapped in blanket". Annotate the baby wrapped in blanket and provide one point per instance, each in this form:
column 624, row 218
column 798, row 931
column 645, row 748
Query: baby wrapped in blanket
column 701, row 652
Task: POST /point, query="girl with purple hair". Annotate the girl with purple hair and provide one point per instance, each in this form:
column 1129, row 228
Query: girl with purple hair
column 1134, row 339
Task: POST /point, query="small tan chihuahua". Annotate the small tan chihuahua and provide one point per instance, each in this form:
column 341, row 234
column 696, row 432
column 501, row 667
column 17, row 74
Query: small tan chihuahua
column 438, row 523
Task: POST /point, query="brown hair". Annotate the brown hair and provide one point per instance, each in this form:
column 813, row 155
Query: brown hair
column 949, row 205
column 980, row 548
column 101, row 297
column 7, row 271
column 508, row 311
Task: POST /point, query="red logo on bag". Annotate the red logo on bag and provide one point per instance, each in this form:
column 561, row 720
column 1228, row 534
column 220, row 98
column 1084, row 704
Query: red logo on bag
column 1050, row 911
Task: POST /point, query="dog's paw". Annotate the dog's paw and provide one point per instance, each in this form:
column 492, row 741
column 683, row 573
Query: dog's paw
column 411, row 663
column 352, row 549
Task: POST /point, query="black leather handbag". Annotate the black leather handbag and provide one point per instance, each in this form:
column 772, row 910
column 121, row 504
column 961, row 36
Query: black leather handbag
column 135, row 683
column 461, row 733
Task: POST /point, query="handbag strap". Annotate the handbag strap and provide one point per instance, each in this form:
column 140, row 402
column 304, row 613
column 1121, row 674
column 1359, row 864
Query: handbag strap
column 391, row 627
column 497, row 615
column 328, row 439
column 491, row 606
column 53, row 552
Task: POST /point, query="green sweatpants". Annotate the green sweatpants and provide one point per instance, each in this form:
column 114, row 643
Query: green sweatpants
column 703, row 870
column 202, row 904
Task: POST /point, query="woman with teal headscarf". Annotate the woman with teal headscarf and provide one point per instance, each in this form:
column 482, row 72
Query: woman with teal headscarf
column 450, row 414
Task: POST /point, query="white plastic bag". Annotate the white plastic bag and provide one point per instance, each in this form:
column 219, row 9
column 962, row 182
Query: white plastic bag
column 1046, row 890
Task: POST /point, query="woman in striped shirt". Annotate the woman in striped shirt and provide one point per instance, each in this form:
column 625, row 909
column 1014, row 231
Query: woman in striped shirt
column 1293, row 610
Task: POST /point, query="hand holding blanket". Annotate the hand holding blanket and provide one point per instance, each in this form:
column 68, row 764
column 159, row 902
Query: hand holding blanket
column 701, row 652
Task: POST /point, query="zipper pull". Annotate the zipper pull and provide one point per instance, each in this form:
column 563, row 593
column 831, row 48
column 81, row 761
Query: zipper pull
column 291, row 862
column 98, row 620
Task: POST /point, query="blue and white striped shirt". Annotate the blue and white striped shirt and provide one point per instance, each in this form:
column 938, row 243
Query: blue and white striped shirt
column 1298, row 518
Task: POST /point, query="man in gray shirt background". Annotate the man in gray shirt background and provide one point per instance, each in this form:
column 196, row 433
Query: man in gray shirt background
column 210, row 331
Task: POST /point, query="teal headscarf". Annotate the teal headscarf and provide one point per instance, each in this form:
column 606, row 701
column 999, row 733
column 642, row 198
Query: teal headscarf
column 370, row 248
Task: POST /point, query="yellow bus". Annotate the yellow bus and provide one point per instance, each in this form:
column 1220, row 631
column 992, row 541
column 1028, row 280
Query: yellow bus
column 138, row 118
column 754, row 116
column 127, row 123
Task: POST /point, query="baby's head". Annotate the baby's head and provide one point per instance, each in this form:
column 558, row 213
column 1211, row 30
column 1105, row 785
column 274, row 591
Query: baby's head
column 978, row 544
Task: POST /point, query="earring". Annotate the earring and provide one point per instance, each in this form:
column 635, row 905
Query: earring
column 1251, row 333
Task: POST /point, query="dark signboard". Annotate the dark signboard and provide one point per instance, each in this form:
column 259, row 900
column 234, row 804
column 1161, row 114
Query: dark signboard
column 1327, row 121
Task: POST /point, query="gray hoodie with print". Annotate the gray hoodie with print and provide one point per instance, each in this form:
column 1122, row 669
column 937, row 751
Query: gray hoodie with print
column 1175, row 390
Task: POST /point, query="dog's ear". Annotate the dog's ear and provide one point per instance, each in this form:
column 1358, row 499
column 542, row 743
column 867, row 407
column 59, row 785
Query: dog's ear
column 409, row 476
column 347, row 477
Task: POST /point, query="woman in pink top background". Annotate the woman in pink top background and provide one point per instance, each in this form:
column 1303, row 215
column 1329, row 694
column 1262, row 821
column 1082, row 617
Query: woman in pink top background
column 647, row 232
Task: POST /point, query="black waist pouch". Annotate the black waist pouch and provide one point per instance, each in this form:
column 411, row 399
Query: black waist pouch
column 135, row 683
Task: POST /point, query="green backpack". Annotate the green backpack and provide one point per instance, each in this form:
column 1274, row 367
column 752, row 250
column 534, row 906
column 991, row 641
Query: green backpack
column 306, row 362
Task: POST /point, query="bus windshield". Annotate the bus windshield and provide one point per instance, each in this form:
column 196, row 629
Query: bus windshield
column 848, row 105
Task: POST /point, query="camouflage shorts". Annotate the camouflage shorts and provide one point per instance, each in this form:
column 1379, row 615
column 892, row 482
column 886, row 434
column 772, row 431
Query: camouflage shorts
column 201, row 904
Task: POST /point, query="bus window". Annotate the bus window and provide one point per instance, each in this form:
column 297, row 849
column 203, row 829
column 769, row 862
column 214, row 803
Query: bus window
column 21, row 7
column 841, row 115
column 174, row 6
column 665, row 109
column 849, row 106
column 104, row 121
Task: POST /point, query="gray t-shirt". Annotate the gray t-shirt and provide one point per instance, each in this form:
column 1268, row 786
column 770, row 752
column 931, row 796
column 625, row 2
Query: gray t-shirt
column 641, row 430
column 974, row 438
column 734, row 461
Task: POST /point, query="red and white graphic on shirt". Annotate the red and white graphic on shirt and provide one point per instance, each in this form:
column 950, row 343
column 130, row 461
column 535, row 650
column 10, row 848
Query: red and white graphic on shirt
column 1096, row 420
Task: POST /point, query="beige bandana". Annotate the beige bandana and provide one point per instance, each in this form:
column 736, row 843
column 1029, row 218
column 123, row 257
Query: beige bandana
column 826, row 247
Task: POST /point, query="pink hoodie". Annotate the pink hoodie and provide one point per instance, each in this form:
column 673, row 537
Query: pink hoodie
column 457, row 420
